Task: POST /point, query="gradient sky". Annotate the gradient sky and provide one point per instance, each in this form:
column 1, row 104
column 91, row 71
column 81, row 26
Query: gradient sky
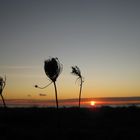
column 102, row 37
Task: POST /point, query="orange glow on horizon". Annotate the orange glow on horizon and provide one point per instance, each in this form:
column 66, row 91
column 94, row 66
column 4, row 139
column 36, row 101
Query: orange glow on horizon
column 92, row 103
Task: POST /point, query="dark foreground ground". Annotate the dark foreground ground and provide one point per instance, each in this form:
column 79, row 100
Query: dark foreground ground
column 103, row 123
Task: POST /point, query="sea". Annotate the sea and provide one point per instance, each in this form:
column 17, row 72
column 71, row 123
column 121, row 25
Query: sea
column 85, row 102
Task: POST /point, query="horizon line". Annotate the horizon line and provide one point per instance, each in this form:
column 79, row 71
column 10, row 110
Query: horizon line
column 77, row 98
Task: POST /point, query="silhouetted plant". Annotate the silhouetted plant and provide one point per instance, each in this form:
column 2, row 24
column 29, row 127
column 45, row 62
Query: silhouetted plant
column 76, row 71
column 53, row 69
column 2, row 86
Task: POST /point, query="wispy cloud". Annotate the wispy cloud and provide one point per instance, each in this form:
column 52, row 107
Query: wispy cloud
column 19, row 67
column 20, row 71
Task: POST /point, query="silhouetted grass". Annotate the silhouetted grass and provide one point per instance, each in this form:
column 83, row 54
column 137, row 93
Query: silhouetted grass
column 86, row 123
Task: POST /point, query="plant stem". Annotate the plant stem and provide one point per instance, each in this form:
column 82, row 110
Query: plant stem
column 80, row 92
column 4, row 104
column 56, row 95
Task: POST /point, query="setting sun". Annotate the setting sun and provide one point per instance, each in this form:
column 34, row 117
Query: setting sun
column 92, row 103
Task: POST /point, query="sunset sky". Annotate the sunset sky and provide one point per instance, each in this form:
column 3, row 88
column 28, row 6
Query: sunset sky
column 102, row 37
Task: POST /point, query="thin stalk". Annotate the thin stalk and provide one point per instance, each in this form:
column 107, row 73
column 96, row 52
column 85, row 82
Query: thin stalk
column 43, row 87
column 80, row 92
column 56, row 95
column 4, row 104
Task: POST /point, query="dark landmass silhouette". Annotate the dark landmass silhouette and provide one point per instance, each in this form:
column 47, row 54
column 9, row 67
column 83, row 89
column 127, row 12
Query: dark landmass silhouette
column 98, row 123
